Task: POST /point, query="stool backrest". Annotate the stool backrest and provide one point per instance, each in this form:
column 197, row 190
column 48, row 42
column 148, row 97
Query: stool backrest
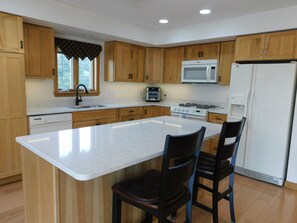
column 179, row 162
column 228, row 142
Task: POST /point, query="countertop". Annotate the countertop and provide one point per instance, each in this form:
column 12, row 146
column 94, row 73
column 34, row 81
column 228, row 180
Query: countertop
column 90, row 152
column 69, row 109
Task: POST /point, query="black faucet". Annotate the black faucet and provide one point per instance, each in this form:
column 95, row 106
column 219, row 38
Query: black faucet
column 78, row 99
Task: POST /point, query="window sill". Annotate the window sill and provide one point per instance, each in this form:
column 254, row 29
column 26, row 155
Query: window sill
column 72, row 93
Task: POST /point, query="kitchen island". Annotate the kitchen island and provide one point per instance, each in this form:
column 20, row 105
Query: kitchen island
column 67, row 175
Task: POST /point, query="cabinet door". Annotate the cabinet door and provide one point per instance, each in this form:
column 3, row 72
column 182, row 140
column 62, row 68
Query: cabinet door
column 154, row 65
column 173, row 58
column 249, row 47
column 122, row 61
column 39, row 51
column 138, row 63
column 193, row 52
column 280, row 45
column 210, row 51
column 18, row 127
column 5, row 148
column 12, row 85
column 148, row 111
column 226, row 60
column 11, row 33
column 12, row 111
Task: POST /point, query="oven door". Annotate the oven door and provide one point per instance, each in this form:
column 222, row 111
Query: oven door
column 187, row 116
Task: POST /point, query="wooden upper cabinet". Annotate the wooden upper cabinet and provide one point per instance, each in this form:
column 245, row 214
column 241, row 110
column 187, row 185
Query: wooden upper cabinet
column 226, row 60
column 154, row 65
column 280, row 45
column 249, row 47
column 11, row 33
column 124, row 62
column 173, row 58
column 202, row 51
column 269, row 46
column 39, row 51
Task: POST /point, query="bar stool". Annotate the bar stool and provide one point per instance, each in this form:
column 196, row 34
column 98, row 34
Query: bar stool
column 160, row 193
column 217, row 167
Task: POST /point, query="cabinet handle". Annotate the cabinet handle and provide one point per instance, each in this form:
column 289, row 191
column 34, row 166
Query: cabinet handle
column 146, row 77
column 131, row 76
column 21, row 44
column 219, row 119
column 145, row 112
column 199, row 54
column 53, row 72
column 131, row 111
column 202, row 54
column 220, row 78
column 98, row 123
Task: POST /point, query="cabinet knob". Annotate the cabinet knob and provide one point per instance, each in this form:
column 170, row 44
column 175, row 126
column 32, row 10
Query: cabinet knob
column 21, row 44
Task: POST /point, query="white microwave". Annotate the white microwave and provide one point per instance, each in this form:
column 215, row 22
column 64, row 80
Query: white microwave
column 199, row 71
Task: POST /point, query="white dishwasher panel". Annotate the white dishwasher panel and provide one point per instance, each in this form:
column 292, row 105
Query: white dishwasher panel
column 49, row 123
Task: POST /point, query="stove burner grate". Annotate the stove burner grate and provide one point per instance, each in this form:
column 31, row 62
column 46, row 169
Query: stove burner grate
column 201, row 106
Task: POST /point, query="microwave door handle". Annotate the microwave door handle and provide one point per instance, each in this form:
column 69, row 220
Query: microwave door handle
column 208, row 69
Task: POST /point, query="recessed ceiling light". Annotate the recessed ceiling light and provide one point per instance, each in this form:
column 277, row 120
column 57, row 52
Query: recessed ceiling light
column 205, row 11
column 163, row 21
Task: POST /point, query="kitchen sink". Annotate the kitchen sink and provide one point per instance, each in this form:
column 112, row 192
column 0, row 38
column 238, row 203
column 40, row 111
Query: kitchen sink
column 86, row 106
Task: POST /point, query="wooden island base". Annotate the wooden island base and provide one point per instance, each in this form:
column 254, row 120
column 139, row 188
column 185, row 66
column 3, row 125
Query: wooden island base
column 51, row 196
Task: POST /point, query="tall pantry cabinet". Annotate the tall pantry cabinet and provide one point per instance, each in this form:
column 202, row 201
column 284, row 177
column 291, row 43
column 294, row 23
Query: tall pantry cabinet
column 13, row 120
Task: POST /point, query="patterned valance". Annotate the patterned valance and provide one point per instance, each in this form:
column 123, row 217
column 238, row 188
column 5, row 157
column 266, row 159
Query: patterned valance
column 77, row 49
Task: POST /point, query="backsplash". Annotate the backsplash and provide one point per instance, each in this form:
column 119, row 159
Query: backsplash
column 39, row 93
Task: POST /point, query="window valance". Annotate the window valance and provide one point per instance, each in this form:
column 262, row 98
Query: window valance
column 77, row 49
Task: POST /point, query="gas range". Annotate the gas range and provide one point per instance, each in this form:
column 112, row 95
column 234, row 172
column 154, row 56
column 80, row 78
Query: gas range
column 192, row 110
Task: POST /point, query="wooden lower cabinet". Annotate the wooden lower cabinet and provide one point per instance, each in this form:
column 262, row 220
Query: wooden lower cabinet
column 160, row 111
column 91, row 118
column 148, row 111
column 211, row 145
column 155, row 111
column 131, row 113
column 55, row 197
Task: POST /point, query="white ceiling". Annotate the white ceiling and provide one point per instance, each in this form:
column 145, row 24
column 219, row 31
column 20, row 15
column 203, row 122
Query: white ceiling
column 146, row 13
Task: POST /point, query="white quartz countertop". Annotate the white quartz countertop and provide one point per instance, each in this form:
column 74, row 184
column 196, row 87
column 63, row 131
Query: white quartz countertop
column 90, row 152
column 70, row 109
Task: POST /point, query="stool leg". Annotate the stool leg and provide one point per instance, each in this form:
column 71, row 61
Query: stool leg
column 195, row 189
column 231, row 198
column 116, row 208
column 148, row 218
column 215, row 202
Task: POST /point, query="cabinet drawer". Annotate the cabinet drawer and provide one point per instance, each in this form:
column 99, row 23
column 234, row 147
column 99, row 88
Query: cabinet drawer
column 131, row 111
column 130, row 117
column 94, row 115
column 94, row 122
column 217, row 118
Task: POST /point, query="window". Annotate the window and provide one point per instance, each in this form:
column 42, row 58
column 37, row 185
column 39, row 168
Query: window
column 77, row 63
column 72, row 72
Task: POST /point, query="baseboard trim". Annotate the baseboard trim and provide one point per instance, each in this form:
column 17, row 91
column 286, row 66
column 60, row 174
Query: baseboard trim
column 291, row 185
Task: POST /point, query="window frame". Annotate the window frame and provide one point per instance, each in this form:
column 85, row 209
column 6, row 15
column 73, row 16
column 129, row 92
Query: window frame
column 71, row 93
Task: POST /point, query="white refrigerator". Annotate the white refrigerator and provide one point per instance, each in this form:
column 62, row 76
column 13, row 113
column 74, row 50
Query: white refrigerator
column 265, row 95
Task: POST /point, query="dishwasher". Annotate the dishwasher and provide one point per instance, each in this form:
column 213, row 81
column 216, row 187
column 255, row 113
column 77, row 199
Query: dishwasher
column 49, row 123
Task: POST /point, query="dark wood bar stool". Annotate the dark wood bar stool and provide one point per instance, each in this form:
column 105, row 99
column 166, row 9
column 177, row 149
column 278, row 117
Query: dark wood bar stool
column 217, row 167
column 160, row 193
